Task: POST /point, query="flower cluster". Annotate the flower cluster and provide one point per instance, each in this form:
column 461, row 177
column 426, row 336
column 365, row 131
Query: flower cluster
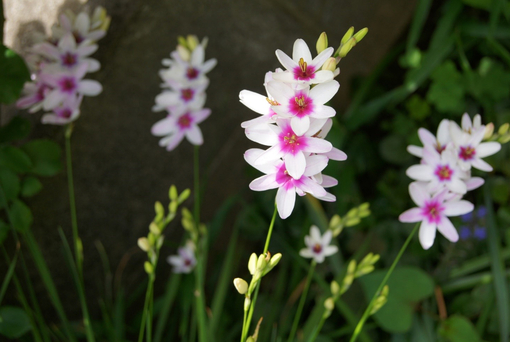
column 444, row 175
column 294, row 122
column 59, row 64
column 183, row 96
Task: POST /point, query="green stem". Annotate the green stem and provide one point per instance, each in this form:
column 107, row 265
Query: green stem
column 72, row 203
column 302, row 301
column 318, row 328
column 247, row 322
column 146, row 306
column 197, row 185
column 361, row 322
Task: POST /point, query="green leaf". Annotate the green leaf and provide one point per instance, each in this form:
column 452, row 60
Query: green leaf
column 447, row 90
column 14, row 322
column 9, row 182
column 14, row 159
column 45, row 155
column 4, row 231
column 18, row 128
column 393, row 150
column 408, row 286
column 30, row 186
column 21, row 216
column 480, row 4
column 500, row 189
column 458, row 329
column 13, row 75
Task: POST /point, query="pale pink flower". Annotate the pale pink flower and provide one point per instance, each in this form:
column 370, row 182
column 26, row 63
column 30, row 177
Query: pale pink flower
column 317, row 245
column 79, row 26
column 65, row 113
column 428, row 139
column 303, row 104
column 34, row 94
column 181, row 98
column 175, row 127
column 188, row 72
column 301, row 67
column 432, row 211
column 185, row 260
column 277, row 177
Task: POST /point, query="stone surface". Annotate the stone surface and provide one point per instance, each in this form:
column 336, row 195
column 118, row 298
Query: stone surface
column 119, row 168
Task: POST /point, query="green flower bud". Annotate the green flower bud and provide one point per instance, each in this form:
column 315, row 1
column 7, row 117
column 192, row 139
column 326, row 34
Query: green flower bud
column 329, row 304
column 192, row 42
column 160, row 211
column 360, row 34
column 247, row 303
column 489, row 130
column 347, row 35
column 148, row 267
column 154, row 228
column 252, row 263
column 261, row 263
column 183, row 53
column 241, row 285
column 184, row 196
column 329, row 64
column 172, row 193
column 161, row 239
column 503, row 129
column 144, row 244
column 335, row 288
column 322, row 43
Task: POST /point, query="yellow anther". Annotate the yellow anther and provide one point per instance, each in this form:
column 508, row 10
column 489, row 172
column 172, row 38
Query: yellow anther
column 272, row 102
column 300, row 101
column 302, row 65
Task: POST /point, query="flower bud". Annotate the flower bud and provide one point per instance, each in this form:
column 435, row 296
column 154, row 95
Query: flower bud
column 241, row 285
column 183, row 196
column 335, row 288
column 160, row 211
column 360, row 34
column 329, row 64
column 154, row 228
column 192, row 42
column 322, row 42
column 250, row 339
column 148, row 267
column 347, row 35
column 144, row 244
column 489, row 130
column 183, row 53
column 344, row 50
column 275, row 260
column 172, row 193
column 503, row 129
column 329, row 304
column 252, row 263
column 160, row 241
column 261, row 262
column 247, row 302
column 172, row 207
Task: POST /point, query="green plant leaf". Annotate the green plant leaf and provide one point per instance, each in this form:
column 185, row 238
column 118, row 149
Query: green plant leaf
column 14, row 159
column 458, row 329
column 14, row 322
column 13, row 75
column 9, row 182
column 492, row 81
column 21, row 216
column 45, row 156
column 418, row 108
column 408, row 286
column 30, row 186
column 447, row 90
column 18, row 128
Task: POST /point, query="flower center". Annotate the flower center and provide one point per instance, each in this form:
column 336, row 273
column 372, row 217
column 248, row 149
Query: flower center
column 66, row 113
column 291, row 142
column 444, row 172
column 303, row 72
column 432, row 211
column 78, row 37
column 69, row 59
column 440, row 148
column 301, row 105
column 184, row 121
column 317, row 248
column 467, row 153
column 68, row 84
column 187, row 262
column 192, row 73
column 187, row 94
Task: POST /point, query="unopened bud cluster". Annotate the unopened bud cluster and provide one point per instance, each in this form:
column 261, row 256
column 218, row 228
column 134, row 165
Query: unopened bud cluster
column 151, row 244
column 352, row 218
column 354, row 270
column 258, row 266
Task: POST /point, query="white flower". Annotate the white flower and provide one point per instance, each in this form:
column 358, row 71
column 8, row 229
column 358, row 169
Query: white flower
column 317, row 246
column 185, row 261
column 428, row 139
column 432, row 211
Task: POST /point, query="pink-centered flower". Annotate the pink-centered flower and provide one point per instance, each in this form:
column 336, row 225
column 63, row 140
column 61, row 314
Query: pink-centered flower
column 175, row 127
column 190, row 72
column 293, row 148
column 260, row 104
column 428, row 139
column 80, row 26
column 277, row 177
column 67, row 84
column 433, row 212
column 470, row 149
column 439, row 170
column 301, row 67
column 185, row 260
column 317, row 245
column 181, row 98
column 34, row 94
column 65, row 113
column 303, row 104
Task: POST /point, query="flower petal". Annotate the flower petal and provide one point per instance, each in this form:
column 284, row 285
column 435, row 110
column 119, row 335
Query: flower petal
column 285, row 200
column 427, row 234
column 456, row 208
column 446, row 228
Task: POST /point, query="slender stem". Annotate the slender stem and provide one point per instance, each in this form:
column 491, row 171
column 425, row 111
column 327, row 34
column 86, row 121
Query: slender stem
column 302, row 301
column 197, row 185
column 72, row 203
column 148, row 296
column 247, row 322
column 318, row 328
column 361, row 322
column 270, row 232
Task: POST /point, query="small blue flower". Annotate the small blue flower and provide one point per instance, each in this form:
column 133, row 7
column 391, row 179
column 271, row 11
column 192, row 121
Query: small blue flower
column 480, row 233
column 465, row 233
